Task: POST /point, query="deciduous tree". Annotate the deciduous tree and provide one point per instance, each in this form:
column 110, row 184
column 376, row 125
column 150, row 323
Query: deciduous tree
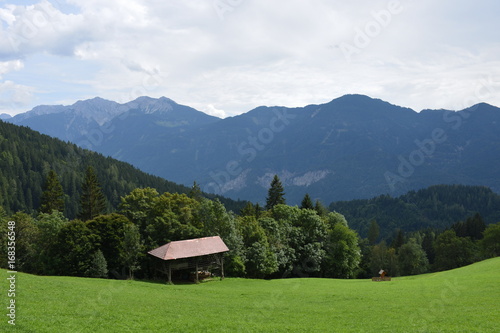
column 131, row 249
column 490, row 244
column 343, row 254
column 453, row 251
column 412, row 259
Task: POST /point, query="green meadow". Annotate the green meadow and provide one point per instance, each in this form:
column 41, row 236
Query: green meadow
column 461, row 300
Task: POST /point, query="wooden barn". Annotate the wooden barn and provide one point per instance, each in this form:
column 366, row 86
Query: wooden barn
column 197, row 254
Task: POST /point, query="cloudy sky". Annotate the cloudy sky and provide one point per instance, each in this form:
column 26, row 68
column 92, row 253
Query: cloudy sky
column 225, row 57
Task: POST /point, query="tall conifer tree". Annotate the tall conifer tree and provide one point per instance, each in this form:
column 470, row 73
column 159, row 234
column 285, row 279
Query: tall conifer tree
column 373, row 232
column 53, row 195
column 307, row 202
column 276, row 194
column 92, row 201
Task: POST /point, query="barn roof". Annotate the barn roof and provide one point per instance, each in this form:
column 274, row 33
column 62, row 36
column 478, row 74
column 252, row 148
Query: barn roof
column 190, row 248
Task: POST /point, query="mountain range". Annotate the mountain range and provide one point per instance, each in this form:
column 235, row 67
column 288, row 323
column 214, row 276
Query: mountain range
column 353, row 147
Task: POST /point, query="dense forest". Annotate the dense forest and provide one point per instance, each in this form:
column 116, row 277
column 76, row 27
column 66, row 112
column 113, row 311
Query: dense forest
column 73, row 212
column 435, row 207
column 27, row 157
column 279, row 241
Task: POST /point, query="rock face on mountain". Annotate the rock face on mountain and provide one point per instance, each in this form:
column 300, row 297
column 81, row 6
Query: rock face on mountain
column 351, row 147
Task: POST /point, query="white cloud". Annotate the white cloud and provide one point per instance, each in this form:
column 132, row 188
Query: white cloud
column 9, row 66
column 14, row 97
column 213, row 111
column 249, row 53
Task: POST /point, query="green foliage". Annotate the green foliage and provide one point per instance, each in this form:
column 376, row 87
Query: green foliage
column 275, row 194
column 473, row 227
column 110, row 230
column 235, row 266
column 217, row 221
column 27, row 157
column 385, row 258
column 436, row 207
column 131, row 249
column 342, row 252
column 162, row 218
column 307, row 202
column 333, row 218
column 195, row 192
column 399, row 240
column 249, row 210
column 373, row 232
column 53, row 196
column 139, row 206
column 310, row 234
column 412, row 259
column 490, row 244
column 27, row 234
column 261, row 261
column 428, row 245
column 453, row 251
column 320, row 208
column 98, row 266
column 92, row 200
column 49, row 226
column 76, row 245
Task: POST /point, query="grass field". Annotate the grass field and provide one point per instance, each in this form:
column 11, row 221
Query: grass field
column 462, row 300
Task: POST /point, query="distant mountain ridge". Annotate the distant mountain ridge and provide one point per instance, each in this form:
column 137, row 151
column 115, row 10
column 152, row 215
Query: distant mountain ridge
column 85, row 118
column 352, row 147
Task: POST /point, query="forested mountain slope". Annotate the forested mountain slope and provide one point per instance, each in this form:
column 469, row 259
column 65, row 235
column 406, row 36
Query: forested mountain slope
column 27, row 156
column 435, row 207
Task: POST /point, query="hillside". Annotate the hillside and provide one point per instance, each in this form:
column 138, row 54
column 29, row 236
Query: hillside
column 435, row 207
column 27, row 156
column 353, row 147
column 461, row 300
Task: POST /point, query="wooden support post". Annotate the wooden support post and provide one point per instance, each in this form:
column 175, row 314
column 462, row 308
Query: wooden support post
column 222, row 266
column 196, row 278
column 169, row 274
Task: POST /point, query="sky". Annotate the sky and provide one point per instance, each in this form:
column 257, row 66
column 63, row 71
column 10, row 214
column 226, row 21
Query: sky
column 226, row 57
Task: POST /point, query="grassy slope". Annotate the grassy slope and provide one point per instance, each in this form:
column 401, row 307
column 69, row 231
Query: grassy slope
column 461, row 300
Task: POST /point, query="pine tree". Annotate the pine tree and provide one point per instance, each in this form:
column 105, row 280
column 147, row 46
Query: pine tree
column 53, row 196
column 276, row 194
column 307, row 202
column 320, row 209
column 195, row 192
column 248, row 210
column 258, row 211
column 373, row 232
column 92, row 201
column 399, row 240
column 99, row 266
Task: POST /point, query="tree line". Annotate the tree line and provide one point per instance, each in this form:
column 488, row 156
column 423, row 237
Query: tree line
column 431, row 249
column 275, row 241
column 438, row 206
column 278, row 241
